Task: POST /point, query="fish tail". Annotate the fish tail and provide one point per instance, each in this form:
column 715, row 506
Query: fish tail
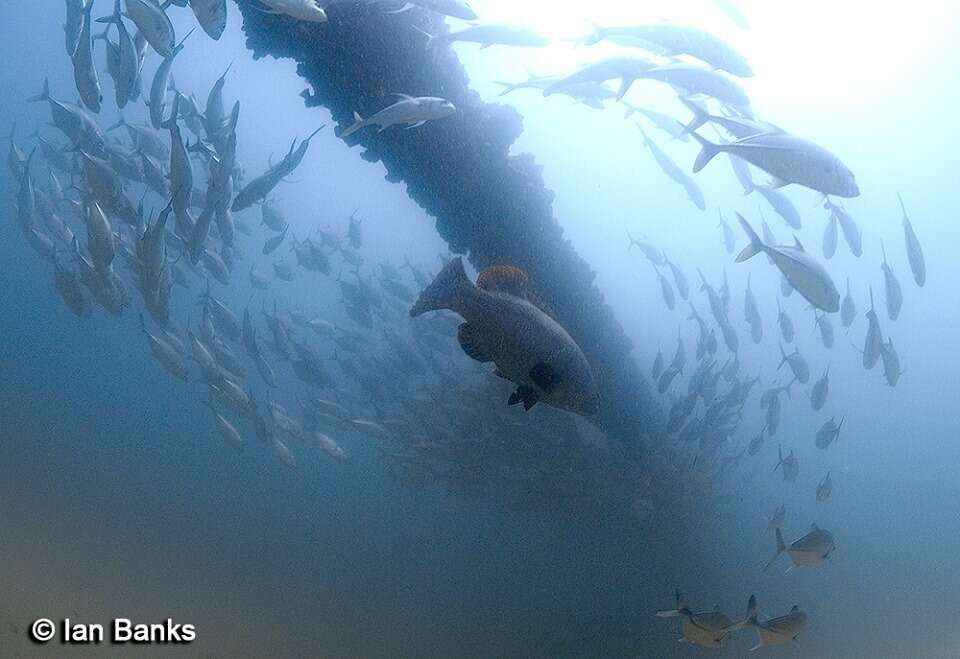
column 445, row 290
column 112, row 18
column 783, row 358
column 707, row 151
column 756, row 245
column 179, row 46
column 700, row 117
column 779, row 457
column 781, row 547
column 750, row 619
column 432, row 39
column 174, row 114
column 120, row 122
column 44, row 94
column 358, row 123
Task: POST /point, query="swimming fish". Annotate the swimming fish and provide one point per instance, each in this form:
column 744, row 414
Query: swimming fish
column 502, row 326
column 874, row 339
column 803, row 272
column 918, row 265
column 154, row 25
column 828, row 433
column 894, row 294
column 891, row 363
column 824, row 488
column 706, row 628
column 308, row 11
column 212, row 16
column 830, row 238
column 848, row 308
column 774, row 631
column 810, row 550
column 494, row 34
column 410, row 111
column 818, row 395
column 789, row 159
column 672, row 39
column 790, row 464
column 84, row 68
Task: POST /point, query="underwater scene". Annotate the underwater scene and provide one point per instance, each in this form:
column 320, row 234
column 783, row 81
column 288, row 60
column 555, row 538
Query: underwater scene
column 481, row 329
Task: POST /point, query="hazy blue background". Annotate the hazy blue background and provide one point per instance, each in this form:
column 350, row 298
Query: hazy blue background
column 117, row 500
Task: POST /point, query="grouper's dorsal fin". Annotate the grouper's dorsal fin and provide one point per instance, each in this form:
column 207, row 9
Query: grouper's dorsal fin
column 504, row 279
column 513, row 281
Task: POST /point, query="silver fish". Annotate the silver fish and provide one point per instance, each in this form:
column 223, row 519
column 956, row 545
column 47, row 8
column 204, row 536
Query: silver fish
column 918, row 265
column 790, row 464
column 154, row 25
column 818, row 395
column 410, row 111
column 775, row 631
column 125, row 78
column 848, row 308
column 874, row 340
column 824, row 488
column 789, row 159
column 707, row 628
column 84, row 68
column 673, row 40
column 810, row 550
column 804, row 273
column 828, row 433
column 489, row 35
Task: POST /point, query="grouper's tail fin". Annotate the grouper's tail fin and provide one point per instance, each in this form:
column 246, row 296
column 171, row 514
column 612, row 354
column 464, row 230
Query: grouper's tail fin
column 446, row 289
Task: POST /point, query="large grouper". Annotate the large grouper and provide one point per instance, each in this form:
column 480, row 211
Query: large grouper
column 504, row 325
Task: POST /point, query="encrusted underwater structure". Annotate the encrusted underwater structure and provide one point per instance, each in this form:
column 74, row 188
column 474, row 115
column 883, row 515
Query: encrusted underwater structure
column 488, row 204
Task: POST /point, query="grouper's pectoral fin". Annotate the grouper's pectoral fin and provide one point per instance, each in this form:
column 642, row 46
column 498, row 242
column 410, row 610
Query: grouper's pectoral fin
column 524, row 395
column 544, row 376
column 472, row 343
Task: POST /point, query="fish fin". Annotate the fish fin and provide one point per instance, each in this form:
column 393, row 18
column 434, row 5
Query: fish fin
column 358, row 123
column 544, row 376
column 524, row 395
column 44, row 94
column 777, row 183
column 700, row 116
column 445, row 289
column 625, row 87
column 432, row 40
column 416, row 125
column 707, row 151
column 504, row 279
column 756, row 245
column 781, row 547
column 798, row 244
column 406, row 7
column 470, row 340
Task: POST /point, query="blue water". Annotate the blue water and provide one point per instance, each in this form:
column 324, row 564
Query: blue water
column 118, row 498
